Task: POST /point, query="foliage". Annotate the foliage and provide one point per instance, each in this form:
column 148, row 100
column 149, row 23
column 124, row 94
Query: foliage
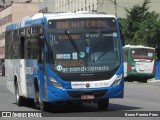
column 141, row 26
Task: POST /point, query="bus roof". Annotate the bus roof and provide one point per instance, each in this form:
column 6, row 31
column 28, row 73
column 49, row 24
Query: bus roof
column 137, row 46
column 40, row 18
column 68, row 15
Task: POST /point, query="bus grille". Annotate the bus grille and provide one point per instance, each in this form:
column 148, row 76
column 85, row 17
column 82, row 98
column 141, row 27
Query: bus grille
column 78, row 94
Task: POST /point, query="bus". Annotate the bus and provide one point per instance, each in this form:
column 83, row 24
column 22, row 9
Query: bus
column 64, row 57
column 139, row 62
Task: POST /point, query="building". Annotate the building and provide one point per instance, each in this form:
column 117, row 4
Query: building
column 4, row 4
column 75, row 5
column 25, row 1
column 13, row 14
column 115, row 7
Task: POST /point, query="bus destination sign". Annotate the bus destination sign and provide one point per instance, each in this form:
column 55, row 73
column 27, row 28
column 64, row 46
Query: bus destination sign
column 81, row 24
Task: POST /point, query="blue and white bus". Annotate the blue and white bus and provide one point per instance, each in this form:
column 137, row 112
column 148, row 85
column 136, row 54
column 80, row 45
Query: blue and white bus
column 65, row 57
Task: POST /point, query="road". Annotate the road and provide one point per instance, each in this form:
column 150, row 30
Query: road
column 138, row 97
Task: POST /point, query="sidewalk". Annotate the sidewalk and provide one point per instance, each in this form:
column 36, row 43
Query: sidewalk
column 153, row 82
column 2, row 77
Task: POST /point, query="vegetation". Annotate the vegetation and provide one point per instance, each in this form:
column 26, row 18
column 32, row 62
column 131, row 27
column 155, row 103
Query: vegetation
column 141, row 27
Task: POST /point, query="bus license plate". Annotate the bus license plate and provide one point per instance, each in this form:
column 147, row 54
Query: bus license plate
column 87, row 97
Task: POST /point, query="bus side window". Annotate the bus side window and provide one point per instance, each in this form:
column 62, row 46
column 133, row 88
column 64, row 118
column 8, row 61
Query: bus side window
column 41, row 49
column 22, row 47
column 15, row 45
column 28, row 49
column 34, row 40
column 7, row 46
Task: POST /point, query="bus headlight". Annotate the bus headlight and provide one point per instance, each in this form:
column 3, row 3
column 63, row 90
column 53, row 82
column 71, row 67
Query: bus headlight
column 55, row 83
column 117, row 80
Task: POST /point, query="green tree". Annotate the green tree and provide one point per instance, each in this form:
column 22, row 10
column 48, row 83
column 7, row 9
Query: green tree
column 149, row 29
column 141, row 26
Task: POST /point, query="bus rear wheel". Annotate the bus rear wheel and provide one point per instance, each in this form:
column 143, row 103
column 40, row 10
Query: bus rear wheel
column 103, row 104
column 19, row 99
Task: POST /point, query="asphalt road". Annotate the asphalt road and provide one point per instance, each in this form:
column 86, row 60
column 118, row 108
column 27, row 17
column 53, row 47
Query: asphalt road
column 138, row 97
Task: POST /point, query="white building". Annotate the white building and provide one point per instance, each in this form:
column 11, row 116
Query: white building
column 75, row 5
column 115, row 7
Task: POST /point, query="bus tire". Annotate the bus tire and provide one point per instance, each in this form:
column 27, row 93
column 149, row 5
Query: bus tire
column 19, row 99
column 36, row 100
column 42, row 105
column 103, row 104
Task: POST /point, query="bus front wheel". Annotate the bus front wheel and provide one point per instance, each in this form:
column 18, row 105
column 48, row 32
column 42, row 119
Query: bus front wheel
column 103, row 104
column 42, row 105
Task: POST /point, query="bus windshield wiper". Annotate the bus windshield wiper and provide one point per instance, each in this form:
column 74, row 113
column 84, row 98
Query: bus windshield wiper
column 72, row 41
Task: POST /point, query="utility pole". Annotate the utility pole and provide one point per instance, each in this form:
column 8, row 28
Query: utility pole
column 115, row 6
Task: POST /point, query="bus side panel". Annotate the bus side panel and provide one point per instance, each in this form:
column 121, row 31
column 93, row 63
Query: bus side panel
column 22, row 78
column 31, row 73
column 15, row 71
column 9, row 75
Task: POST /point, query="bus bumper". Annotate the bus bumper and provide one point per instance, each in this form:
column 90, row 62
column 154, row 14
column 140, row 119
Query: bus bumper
column 141, row 75
column 56, row 94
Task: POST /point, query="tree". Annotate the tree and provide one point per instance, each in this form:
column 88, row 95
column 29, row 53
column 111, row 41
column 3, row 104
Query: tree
column 148, row 33
column 141, row 26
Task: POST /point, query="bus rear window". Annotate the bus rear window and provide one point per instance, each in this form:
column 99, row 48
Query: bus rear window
column 142, row 53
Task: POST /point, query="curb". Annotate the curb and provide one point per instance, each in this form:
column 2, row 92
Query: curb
column 154, row 82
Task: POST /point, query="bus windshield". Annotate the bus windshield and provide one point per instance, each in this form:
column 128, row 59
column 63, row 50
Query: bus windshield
column 142, row 54
column 83, row 46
